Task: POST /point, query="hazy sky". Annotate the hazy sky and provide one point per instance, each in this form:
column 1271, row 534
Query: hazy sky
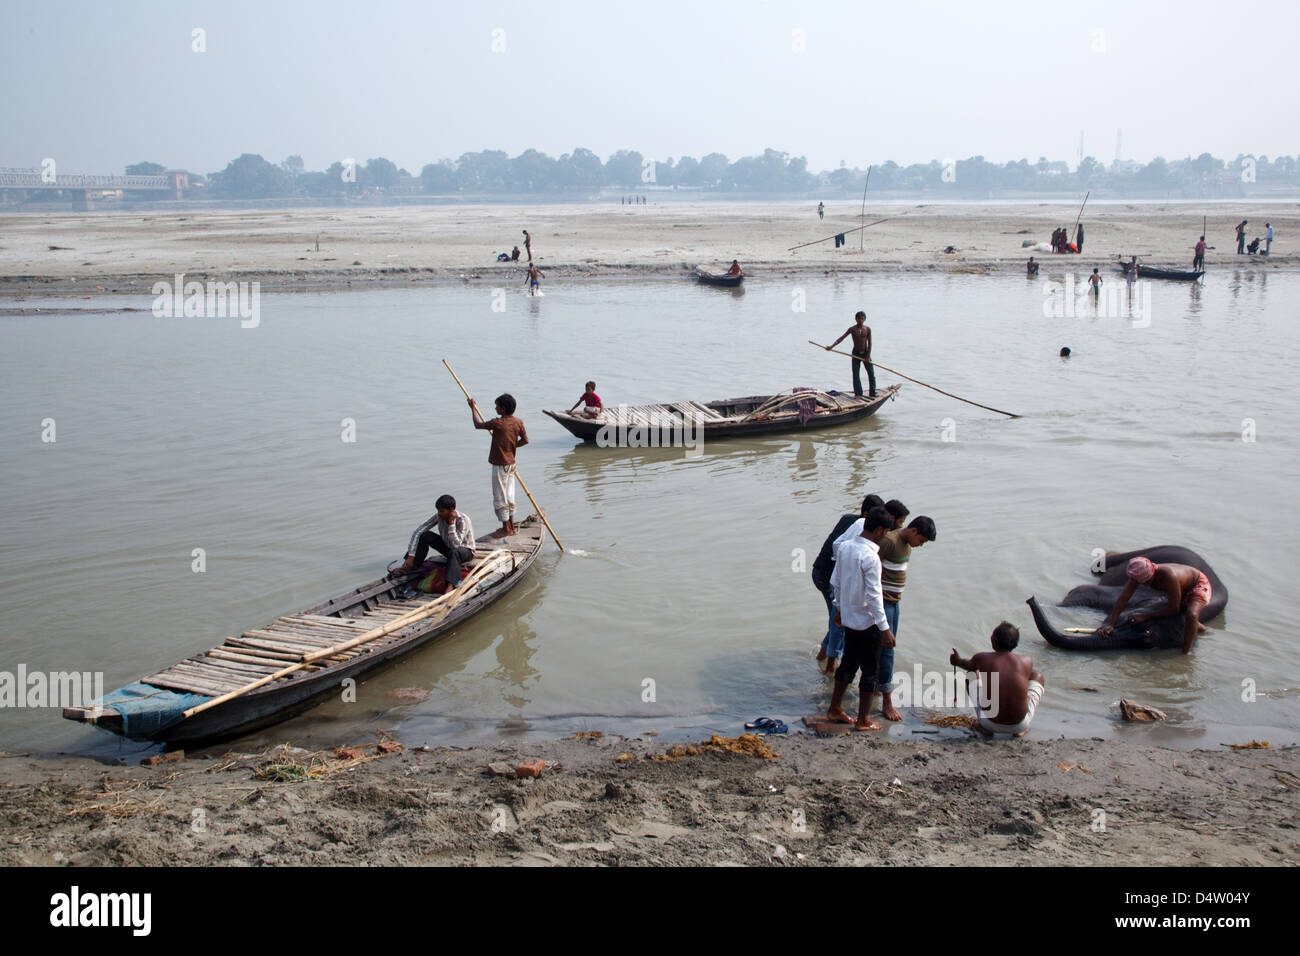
column 103, row 85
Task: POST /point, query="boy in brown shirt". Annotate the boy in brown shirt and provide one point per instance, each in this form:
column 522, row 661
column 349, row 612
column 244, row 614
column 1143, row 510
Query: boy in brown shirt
column 508, row 435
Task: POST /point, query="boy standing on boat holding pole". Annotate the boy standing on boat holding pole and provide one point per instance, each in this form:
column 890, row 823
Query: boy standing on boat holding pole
column 508, row 436
column 861, row 333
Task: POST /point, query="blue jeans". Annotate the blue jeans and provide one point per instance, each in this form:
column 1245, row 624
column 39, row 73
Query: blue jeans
column 833, row 642
column 885, row 670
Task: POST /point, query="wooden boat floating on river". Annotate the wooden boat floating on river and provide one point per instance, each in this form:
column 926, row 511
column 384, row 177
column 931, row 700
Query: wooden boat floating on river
column 793, row 410
column 711, row 277
column 292, row 663
column 1150, row 272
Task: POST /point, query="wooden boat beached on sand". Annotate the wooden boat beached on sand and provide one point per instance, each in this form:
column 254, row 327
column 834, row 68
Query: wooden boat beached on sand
column 292, row 663
column 792, row 410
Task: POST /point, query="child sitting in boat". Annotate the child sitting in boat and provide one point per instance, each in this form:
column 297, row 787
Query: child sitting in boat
column 591, row 400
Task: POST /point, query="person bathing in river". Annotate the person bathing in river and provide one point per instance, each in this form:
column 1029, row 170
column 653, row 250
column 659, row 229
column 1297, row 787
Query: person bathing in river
column 861, row 611
column 832, row 647
column 1186, row 588
column 1031, row 268
column 591, row 400
column 448, row 532
column 508, row 436
column 1094, row 282
column 861, row 333
column 1014, row 687
column 534, row 278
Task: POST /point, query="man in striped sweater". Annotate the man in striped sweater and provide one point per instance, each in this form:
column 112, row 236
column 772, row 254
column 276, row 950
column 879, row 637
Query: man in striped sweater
column 895, row 553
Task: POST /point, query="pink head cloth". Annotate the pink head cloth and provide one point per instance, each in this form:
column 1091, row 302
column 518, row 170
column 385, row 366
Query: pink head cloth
column 1141, row 570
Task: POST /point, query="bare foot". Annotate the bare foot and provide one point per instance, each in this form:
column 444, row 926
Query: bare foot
column 499, row 533
column 866, row 723
column 837, row 715
column 830, row 666
column 888, row 710
column 821, row 653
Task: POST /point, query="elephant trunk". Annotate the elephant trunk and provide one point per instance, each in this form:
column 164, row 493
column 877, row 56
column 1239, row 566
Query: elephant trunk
column 1070, row 642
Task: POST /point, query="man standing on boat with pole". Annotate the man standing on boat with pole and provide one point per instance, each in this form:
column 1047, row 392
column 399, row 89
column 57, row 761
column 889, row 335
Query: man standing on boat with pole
column 861, row 333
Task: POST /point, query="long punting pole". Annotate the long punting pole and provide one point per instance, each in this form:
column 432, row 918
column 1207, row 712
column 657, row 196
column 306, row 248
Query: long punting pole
column 479, row 416
column 862, row 218
column 1081, row 205
column 829, row 238
column 916, row 380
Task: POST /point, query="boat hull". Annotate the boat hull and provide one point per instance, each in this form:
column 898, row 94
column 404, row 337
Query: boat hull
column 590, row 430
column 288, row 697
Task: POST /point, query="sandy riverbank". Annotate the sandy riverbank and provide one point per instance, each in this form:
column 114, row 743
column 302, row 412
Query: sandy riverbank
column 847, row 800
column 299, row 249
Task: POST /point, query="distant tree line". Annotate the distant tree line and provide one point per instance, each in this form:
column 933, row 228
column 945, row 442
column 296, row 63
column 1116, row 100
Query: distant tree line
column 582, row 173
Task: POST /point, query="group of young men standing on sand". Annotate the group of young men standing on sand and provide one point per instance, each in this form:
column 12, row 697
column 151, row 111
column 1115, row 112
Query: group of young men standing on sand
column 861, row 572
column 449, row 531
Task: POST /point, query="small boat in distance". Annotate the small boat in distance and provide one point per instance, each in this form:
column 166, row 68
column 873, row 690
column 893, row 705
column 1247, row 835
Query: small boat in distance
column 1150, row 272
column 713, row 277
column 277, row 671
column 796, row 409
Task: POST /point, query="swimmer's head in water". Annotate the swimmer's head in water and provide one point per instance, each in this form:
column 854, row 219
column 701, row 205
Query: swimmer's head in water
column 1141, row 570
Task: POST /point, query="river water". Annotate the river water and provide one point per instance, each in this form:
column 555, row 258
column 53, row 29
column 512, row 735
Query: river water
column 688, row 583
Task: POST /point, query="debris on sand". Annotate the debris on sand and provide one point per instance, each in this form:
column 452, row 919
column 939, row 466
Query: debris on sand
column 588, row 735
column 1253, row 745
column 950, row 720
column 1131, row 710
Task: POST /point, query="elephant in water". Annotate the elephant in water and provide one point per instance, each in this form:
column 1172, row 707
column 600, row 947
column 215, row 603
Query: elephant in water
column 1157, row 632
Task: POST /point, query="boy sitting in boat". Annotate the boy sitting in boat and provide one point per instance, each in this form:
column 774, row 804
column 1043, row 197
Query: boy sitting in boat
column 591, row 400
column 1012, row 687
column 448, row 532
column 735, row 268
column 508, row 436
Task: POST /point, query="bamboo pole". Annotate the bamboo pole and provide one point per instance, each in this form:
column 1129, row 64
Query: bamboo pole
column 479, row 416
column 916, row 380
column 443, row 604
column 862, row 217
column 829, row 238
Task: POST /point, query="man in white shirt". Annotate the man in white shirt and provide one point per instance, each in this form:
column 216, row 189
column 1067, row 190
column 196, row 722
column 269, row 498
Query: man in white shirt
column 861, row 610
column 448, row 532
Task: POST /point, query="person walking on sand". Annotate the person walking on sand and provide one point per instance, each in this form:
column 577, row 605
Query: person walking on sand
column 1198, row 260
column 1186, row 589
column 858, row 599
column 508, row 436
column 1268, row 237
column 1014, row 688
column 528, row 245
column 832, row 646
column 534, row 278
column 861, row 333
column 1241, row 238
column 1078, row 238
column 821, row 210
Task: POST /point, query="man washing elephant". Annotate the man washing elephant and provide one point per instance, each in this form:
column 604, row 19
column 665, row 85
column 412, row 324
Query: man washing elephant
column 1168, row 595
column 1186, row 589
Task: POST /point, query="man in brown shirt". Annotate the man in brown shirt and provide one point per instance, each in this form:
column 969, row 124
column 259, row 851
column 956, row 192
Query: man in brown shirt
column 508, row 435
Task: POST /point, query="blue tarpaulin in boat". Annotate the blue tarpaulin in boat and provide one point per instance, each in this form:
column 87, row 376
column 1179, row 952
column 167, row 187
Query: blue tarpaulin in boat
column 146, row 709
